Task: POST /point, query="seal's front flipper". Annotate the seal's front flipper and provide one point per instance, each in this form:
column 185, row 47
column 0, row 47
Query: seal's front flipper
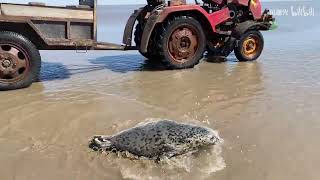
column 165, row 157
column 168, row 151
column 100, row 143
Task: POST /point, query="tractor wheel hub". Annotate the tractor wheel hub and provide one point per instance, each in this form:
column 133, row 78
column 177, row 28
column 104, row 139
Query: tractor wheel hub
column 6, row 63
column 183, row 44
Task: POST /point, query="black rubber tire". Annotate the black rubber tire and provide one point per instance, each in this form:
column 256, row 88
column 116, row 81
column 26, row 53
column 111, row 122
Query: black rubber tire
column 223, row 51
column 137, row 39
column 238, row 49
column 167, row 29
column 217, row 57
column 34, row 60
column 150, row 56
column 214, row 54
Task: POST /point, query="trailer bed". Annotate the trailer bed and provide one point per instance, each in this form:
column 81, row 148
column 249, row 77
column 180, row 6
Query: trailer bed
column 69, row 27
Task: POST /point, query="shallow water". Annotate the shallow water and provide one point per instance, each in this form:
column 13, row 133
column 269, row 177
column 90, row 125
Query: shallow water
column 267, row 111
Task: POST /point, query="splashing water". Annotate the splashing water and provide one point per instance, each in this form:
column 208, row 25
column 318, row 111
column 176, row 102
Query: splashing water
column 196, row 165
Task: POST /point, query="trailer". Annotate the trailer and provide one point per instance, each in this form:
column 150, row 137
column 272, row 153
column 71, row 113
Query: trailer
column 173, row 32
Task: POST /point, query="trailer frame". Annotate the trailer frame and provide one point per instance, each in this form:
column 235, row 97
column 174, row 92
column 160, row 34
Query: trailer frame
column 60, row 28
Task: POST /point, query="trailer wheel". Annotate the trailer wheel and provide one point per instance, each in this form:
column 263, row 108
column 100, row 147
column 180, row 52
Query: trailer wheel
column 20, row 61
column 182, row 43
column 250, row 46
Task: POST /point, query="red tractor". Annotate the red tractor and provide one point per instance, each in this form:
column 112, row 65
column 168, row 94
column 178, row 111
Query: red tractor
column 178, row 34
column 172, row 32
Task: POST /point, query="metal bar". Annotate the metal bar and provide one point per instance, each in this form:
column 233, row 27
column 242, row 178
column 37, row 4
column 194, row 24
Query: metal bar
column 108, row 46
column 37, row 31
column 25, row 19
column 95, row 23
column 55, row 7
column 68, row 29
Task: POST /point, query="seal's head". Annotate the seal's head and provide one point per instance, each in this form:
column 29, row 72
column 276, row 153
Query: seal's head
column 101, row 143
column 202, row 137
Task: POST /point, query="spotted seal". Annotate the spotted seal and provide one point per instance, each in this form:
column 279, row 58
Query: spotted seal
column 159, row 139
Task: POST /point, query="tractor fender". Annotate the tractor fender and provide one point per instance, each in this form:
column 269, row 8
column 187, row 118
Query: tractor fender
column 243, row 27
column 147, row 31
column 127, row 35
column 159, row 16
column 254, row 6
column 241, row 2
column 256, row 9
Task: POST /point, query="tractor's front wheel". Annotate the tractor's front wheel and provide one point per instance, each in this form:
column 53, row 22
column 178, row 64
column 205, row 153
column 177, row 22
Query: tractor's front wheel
column 182, row 43
column 250, row 46
column 20, row 61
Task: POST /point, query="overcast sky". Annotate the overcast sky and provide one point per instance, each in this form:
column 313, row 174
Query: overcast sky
column 64, row 2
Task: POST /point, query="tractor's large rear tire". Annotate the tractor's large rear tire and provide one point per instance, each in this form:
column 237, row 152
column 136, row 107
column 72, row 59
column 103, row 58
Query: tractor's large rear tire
column 182, row 43
column 137, row 39
column 20, row 61
column 250, row 46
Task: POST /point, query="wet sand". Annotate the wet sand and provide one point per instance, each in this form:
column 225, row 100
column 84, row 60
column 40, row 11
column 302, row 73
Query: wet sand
column 267, row 111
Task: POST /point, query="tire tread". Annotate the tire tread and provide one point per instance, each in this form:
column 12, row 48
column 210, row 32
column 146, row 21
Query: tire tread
column 35, row 60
